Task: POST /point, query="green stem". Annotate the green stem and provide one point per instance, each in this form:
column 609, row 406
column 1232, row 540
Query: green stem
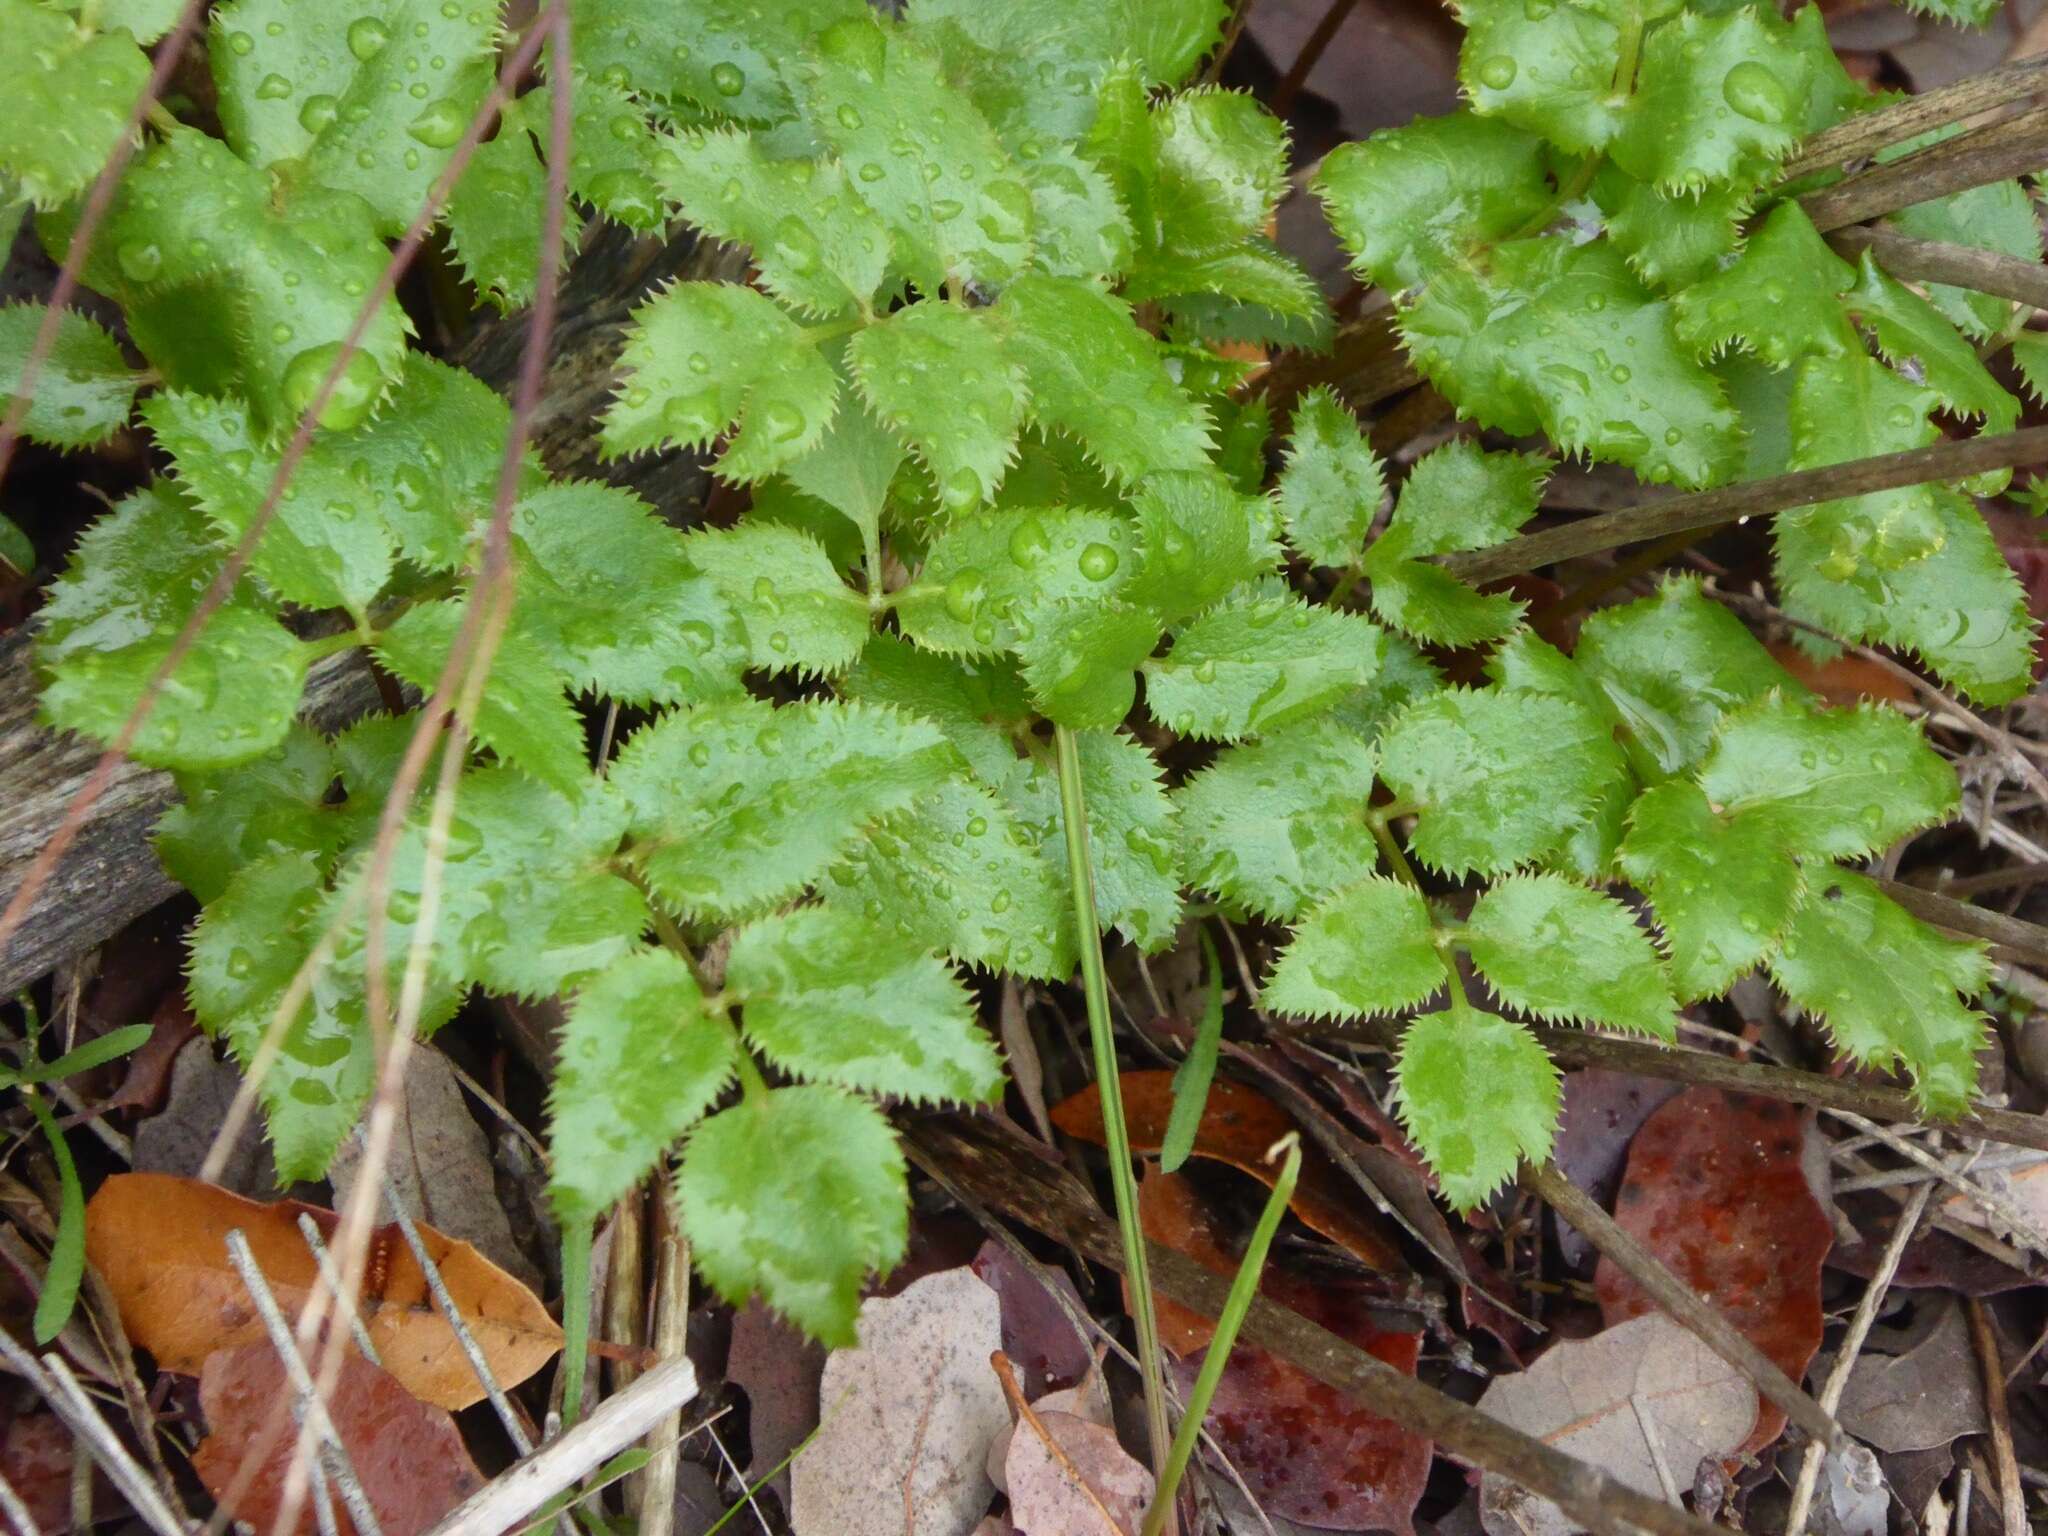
column 1397, row 856
column 1095, row 988
column 575, row 1317
column 1239, row 1302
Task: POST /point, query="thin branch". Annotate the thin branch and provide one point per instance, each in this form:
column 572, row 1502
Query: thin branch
column 1991, row 1203
column 1933, row 261
column 1654, row 519
column 16, row 1511
column 1311, row 53
column 1684, row 1305
column 53, row 1380
column 2010, row 148
column 331, row 1278
column 509, row 1500
column 2012, row 1496
column 657, row 1504
column 1868, row 132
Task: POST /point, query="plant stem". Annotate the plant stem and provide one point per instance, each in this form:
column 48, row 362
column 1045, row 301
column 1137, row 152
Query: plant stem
column 1242, row 1289
column 575, row 1317
column 1095, row 988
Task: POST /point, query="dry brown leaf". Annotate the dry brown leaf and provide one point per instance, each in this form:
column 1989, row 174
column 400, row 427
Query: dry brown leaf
column 408, row 1456
column 1644, row 1401
column 1238, row 1125
column 161, row 1243
column 1066, row 1492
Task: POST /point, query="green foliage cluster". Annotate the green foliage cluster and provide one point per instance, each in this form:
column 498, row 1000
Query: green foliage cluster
column 1000, row 473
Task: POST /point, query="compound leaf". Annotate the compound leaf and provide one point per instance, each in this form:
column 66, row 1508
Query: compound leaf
column 722, row 56
column 272, row 804
column 828, row 995
column 939, row 376
column 1249, row 667
column 795, row 611
column 986, row 578
column 1476, row 1094
column 1914, row 335
column 1554, row 949
column 637, row 1064
column 1330, row 485
column 1853, row 407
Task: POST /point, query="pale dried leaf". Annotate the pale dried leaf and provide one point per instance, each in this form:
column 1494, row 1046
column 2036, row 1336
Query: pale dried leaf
column 1066, row 1493
column 907, row 1417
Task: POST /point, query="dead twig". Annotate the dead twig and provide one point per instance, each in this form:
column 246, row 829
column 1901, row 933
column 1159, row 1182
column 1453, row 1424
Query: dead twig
column 53, row 1380
column 2012, row 1496
column 1932, row 261
column 1868, row 132
column 1995, row 1205
column 657, row 1502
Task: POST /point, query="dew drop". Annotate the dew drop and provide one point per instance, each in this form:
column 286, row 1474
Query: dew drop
column 1497, row 73
column 1756, row 93
column 728, row 79
column 317, row 112
column 273, row 88
column 1098, row 562
column 367, row 37
column 440, row 125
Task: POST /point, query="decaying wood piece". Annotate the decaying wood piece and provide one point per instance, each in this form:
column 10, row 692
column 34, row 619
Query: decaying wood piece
column 111, row 875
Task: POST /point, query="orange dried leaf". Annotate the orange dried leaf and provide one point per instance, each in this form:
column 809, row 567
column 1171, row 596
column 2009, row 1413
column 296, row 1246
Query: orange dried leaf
column 161, row 1243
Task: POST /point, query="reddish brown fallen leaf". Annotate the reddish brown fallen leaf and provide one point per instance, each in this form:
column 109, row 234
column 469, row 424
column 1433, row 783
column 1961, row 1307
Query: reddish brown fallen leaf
column 35, row 1457
column 161, row 1243
column 409, row 1456
column 1844, row 679
column 1307, row 1452
column 147, row 1082
column 1089, row 1486
column 1238, row 1125
column 1715, row 1189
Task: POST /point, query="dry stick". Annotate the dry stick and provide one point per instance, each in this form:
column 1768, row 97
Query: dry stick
column 223, row 583
column 510, row 1499
column 1008, row 1174
column 1753, row 498
column 2026, row 939
column 17, row 1512
column 671, row 1336
column 1311, row 52
column 2011, row 148
column 1991, row 1203
column 1684, row 1305
column 309, row 1405
column 331, row 1278
column 1935, row 261
column 1683, row 1064
column 1902, row 120
column 67, row 1399
column 97, row 201
column 1852, row 1346
column 2012, row 1496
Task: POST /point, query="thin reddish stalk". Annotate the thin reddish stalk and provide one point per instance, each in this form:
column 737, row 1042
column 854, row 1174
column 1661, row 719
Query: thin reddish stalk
column 217, row 593
column 97, row 201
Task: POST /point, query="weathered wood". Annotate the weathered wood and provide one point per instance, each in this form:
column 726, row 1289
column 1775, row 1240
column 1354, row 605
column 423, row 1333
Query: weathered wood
column 110, row 876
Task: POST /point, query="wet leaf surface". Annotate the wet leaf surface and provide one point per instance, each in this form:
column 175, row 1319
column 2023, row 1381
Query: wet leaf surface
column 161, row 1244
column 1306, row 1451
column 408, row 1455
column 1715, row 1188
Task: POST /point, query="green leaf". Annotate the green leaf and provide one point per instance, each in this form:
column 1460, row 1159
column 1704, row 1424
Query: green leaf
column 979, row 705
column 1477, row 1095
column 1198, row 539
column 66, row 1269
column 1276, row 823
column 617, row 153
column 795, row 1194
column 371, row 95
column 1561, row 952
column 796, row 613
column 637, row 1064
column 1914, row 336
column 737, row 806
column 1671, row 665
column 1094, row 375
column 985, row 578
column 1782, row 297
column 1549, row 69
column 97, row 1052
column 68, row 94
column 1330, row 485
column 1133, row 839
column 939, row 376
column 1718, row 98
column 273, row 804
column 231, row 698
column 922, row 155
column 1197, row 1070
column 722, row 55
column 17, row 554
column 1221, row 169
column 1885, row 984
column 1501, row 777
column 1078, row 660
column 1565, row 337
column 1671, row 238
column 492, row 227
column 522, row 715
column 317, row 550
column 1369, row 948
column 84, row 388
column 1250, row 667
column 1961, row 610
column 1527, row 664
column 1080, row 228
column 700, row 357
column 2030, row 356
column 1999, row 217
column 1456, row 498
column 1723, row 890
column 145, row 20
column 1412, row 201
column 850, row 470
column 1853, row 407
column 1164, row 39
column 1828, row 783
column 829, row 996
column 577, row 545
column 817, row 247
column 291, row 275
column 957, row 873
